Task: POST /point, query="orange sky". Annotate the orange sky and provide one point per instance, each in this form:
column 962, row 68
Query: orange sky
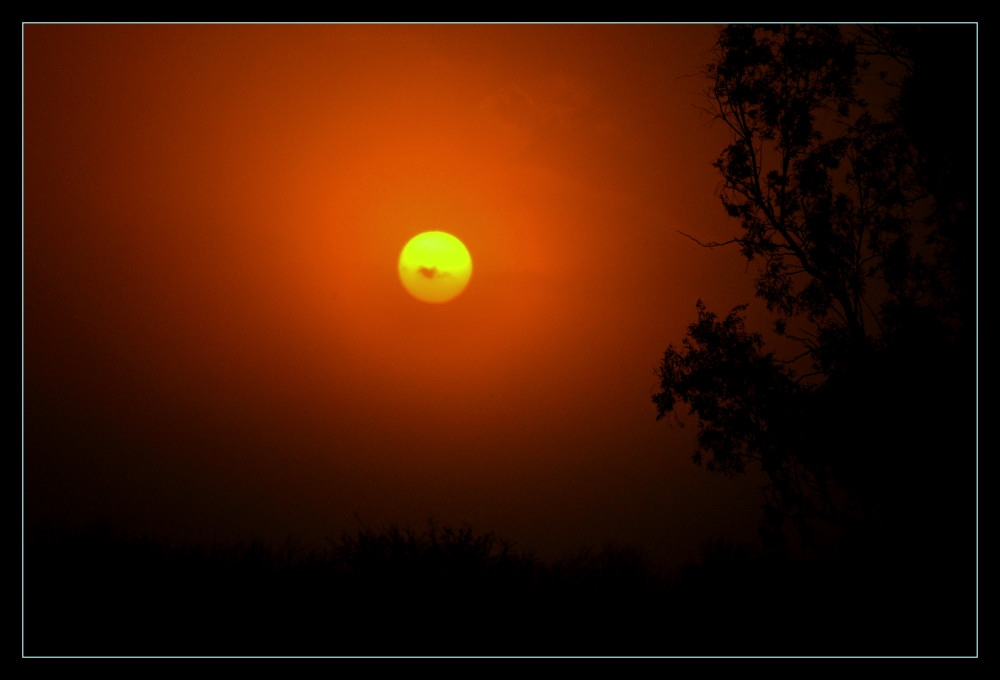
column 216, row 340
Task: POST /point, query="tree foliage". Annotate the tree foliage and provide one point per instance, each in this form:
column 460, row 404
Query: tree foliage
column 861, row 223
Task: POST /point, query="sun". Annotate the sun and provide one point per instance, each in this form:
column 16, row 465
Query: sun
column 435, row 267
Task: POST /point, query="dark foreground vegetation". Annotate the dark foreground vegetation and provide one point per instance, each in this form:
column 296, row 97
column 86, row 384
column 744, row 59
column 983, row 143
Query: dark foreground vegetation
column 396, row 592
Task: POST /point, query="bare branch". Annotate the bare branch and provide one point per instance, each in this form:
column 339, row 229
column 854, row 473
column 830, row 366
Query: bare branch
column 710, row 244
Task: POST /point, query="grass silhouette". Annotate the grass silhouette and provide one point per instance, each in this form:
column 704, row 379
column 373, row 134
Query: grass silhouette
column 443, row 591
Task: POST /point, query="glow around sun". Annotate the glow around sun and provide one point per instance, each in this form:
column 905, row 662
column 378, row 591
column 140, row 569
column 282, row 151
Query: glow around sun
column 435, row 267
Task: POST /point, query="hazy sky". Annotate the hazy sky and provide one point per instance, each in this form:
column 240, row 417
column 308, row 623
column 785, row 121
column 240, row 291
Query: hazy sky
column 216, row 342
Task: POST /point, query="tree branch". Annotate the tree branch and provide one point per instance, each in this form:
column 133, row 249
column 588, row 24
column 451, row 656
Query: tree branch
column 710, row 244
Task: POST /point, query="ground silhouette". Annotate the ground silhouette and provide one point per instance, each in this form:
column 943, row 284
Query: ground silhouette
column 455, row 592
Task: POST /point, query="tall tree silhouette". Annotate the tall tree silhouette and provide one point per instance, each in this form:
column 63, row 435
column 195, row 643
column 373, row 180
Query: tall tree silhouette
column 854, row 189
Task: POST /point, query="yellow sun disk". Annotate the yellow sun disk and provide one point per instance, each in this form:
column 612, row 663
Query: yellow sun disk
column 435, row 266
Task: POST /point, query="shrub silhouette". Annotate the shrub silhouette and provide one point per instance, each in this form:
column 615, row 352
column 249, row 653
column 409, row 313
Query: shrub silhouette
column 456, row 592
column 391, row 591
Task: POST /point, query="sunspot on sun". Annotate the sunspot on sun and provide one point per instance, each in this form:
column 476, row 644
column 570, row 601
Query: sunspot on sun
column 435, row 267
